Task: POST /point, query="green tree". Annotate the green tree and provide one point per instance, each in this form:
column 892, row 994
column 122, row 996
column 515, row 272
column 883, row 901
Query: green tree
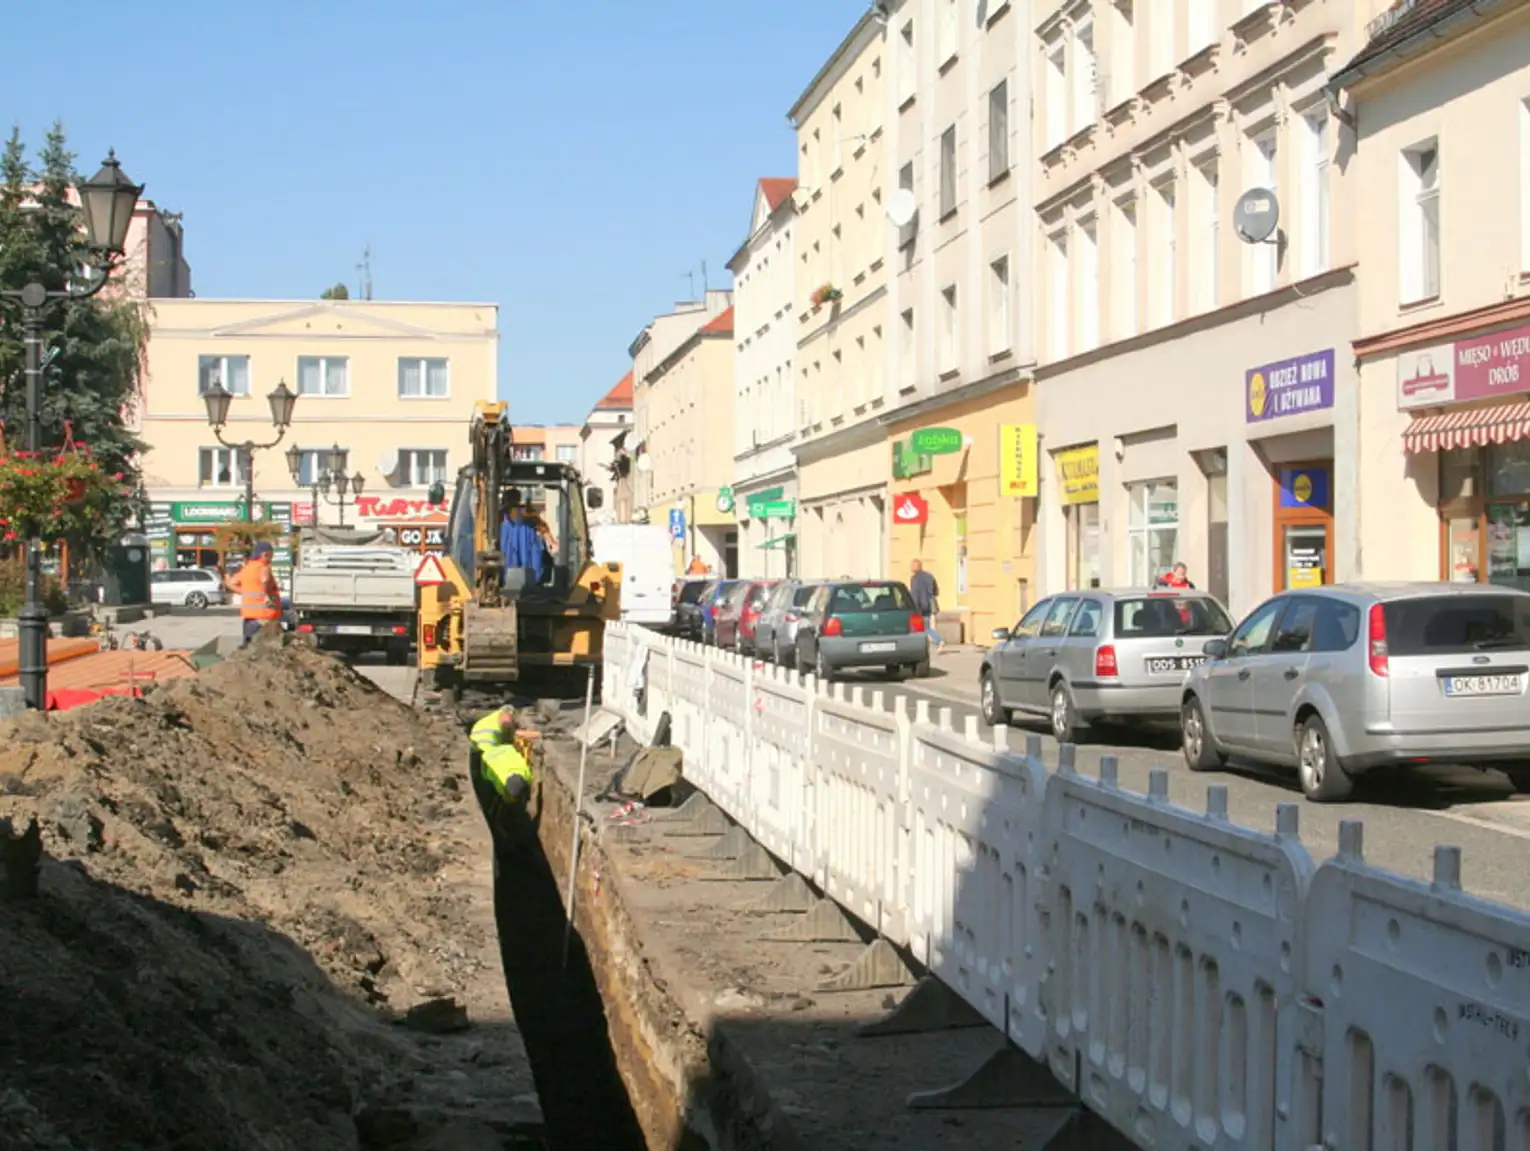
column 92, row 382
column 338, row 292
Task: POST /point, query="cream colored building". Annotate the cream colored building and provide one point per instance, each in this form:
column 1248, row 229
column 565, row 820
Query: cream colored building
column 1196, row 394
column 682, row 367
column 1441, row 94
column 392, row 384
column 560, row 442
column 841, row 310
column 765, row 384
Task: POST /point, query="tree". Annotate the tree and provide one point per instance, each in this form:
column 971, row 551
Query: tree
column 92, row 382
column 338, row 292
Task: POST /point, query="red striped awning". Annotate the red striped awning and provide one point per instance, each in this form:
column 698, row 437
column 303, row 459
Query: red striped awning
column 1472, row 428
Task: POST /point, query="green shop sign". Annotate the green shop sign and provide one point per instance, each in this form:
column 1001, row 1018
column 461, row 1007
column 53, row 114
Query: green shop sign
column 908, row 461
column 222, row 513
column 725, row 499
column 936, row 441
column 772, row 509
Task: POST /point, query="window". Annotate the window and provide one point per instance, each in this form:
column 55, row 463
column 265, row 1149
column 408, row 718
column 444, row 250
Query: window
column 1123, row 277
column 1419, row 213
column 836, row 143
column 1314, row 208
column 948, row 330
column 906, row 362
column 1166, row 295
column 567, row 453
column 998, row 131
column 1057, row 293
column 948, row 171
column 1254, row 631
column 232, row 373
column 1263, row 259
column 945, row 47
column 999, row 337
column 1295, row 631
column 1120, row 81
column 422, row 378
column 908, row 65
column 1202, row 30
column 1153, row 530
column 1089, row 284
column 312, row 463
column 1205, row 283
column 1163, row 616
column 222, row 467
column 323, row 376
column 1086, row 624
column 1057, row 619
column 526, row 451
column 421, row 467
column 1081, row 104
column 907, row 232
column 1030, row 624
column 1056, row 96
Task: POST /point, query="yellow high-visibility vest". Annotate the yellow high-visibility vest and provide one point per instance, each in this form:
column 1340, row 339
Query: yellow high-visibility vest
column 501, row 758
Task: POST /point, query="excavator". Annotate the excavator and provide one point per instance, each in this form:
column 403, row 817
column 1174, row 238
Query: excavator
column 498, row 619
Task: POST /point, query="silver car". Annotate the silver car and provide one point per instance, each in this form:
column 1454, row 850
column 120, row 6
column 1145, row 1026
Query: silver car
column 775, row 632
column 1341, row 680
column 1099, row 656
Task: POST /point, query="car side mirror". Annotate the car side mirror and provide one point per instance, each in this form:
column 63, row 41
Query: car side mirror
column 999, row 633
column 1216, row 649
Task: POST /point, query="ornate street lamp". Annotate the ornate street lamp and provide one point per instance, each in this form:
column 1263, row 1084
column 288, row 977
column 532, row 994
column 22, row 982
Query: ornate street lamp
column 107, row 200
column 218, row 400
column 331, row 475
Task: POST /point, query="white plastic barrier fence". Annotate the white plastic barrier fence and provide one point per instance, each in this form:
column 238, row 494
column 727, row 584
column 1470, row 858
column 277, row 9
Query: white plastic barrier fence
column 1196, row 982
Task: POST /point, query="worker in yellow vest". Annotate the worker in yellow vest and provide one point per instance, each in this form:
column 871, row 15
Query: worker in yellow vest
column 502, row 781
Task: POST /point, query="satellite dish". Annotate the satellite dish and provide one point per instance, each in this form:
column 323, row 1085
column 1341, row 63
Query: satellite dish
column 1256, row 215
column 902, row 207
column 387, row 463
column 645, row 463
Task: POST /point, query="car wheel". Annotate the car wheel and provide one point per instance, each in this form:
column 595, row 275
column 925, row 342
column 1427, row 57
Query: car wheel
column 994, row 715
column 821, row 667
column 921, row 670
column 1201, row 753
column 896, row 672
column 1066, row 727
column 196, row 601
column 1322, row 779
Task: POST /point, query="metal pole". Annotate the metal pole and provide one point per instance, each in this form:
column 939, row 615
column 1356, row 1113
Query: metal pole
column 573, row 851
column 342, row 509
column 33, row 617
column 248, row 452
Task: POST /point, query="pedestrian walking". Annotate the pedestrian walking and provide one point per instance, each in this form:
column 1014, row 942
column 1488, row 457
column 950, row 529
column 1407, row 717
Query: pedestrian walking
column 926, row 593
column 260, row 596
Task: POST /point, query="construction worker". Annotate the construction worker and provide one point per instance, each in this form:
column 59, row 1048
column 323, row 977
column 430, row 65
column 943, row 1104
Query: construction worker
column 260, row 596
column 501, row 780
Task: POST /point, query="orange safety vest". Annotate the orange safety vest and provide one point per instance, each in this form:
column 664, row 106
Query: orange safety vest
column 258, row 597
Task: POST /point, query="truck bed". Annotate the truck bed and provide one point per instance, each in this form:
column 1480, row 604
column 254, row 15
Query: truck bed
column 354, row 579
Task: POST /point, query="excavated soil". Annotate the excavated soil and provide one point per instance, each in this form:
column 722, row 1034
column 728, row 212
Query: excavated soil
column 249, row 878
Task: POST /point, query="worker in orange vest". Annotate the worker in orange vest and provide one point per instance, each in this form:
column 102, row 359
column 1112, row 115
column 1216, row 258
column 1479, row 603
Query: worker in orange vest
column 260, row 597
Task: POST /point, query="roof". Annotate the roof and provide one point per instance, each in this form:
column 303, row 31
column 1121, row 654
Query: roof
column 1408, row 28
column 866, row 28
column 776, row 189
column 619, row 396
column 719, row 325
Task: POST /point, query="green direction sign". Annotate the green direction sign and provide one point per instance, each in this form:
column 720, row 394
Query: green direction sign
column 766, row 496
column 772, row 509
column 936, row 441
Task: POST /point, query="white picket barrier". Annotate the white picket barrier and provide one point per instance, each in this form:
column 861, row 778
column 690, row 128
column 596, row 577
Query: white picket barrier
column 781, row 765
column 975, row 812
column 690, row 674
column 727, row 746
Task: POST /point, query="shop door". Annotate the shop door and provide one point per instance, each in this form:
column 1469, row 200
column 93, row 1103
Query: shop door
column 1303, row 525
column 1216, row 536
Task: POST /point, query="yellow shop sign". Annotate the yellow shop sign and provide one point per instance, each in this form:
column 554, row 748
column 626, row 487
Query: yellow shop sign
column 1017, row 459
column 1078, row 475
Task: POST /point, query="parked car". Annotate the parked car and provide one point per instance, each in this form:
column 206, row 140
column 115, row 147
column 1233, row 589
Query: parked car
column 755, row 597
column 195, row 588
column 1099, row 656
column 775, row 632
column 857, row 624
column 726, row 611
column 683, row 594
column 710, row 602
column 1341, row 680
column 692, row 600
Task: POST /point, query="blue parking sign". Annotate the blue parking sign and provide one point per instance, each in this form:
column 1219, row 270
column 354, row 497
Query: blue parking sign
column 676, row 524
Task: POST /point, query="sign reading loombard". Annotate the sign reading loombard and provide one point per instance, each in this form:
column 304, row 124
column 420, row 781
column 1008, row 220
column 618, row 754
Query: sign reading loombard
column 1289, row 387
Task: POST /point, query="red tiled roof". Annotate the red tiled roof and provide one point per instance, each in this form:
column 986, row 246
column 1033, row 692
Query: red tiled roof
column 776, row 189
column 719, row 325
column 619, row 396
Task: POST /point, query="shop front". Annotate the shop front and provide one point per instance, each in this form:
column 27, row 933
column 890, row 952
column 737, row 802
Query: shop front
column 417, row 524
column 207, row 534
column 767, row 529
column 1078, row 490
column 841, row 522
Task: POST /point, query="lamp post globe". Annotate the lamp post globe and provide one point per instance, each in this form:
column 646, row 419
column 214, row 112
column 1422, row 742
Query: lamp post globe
column 295, row 462
column 282, row 400
column 108, row 200
column 338, row 458
column 357, row 481
column 218, row 400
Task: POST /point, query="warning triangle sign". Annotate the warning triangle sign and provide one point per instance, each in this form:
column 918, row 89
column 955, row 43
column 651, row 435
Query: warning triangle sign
column 429, row 573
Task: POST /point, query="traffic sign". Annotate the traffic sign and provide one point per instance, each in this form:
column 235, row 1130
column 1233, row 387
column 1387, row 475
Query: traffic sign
column 429, row 573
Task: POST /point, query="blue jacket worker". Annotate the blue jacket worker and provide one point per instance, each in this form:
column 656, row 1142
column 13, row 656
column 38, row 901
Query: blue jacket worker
column 520, row 544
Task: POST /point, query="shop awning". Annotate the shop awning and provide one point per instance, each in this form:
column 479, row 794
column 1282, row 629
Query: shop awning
column 1474, row 428
column 779, row 541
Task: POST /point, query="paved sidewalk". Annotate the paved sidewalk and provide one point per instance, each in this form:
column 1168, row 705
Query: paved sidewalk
column 953, row 673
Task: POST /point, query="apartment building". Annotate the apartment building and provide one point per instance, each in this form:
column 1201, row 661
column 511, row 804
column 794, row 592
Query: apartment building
column 682, row 370
column 604, row 456
column 391, row 385
column 959, row 412
column 1195, row 394
column 840, row 308
column 765, row 385
column 1441, row 96
column 560, row 442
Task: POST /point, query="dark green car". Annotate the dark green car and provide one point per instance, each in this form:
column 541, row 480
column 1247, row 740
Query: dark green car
column 859, row 624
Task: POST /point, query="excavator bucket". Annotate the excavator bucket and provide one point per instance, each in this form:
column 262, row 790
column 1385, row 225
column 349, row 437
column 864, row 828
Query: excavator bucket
column 491, row 647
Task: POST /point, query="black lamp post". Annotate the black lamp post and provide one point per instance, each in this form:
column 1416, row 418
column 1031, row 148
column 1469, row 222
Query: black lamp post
column 331, row 475
column 108, row 200
column 282, row 400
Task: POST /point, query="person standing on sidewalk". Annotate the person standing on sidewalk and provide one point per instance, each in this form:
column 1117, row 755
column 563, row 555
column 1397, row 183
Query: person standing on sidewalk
column 260, row 596
column 926, row 593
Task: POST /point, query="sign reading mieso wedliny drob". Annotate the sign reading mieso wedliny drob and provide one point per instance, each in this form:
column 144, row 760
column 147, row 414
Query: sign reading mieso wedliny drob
column 936, row 441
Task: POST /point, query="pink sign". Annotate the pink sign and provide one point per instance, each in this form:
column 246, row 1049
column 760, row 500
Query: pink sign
column 1493, row 365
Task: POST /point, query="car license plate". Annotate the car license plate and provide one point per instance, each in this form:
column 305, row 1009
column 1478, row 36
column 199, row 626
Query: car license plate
column 1484, row 684
column 873, row 648
column 352, row 629
column 1170, row 664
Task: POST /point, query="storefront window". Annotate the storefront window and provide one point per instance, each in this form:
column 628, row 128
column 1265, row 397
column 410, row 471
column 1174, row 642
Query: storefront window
column 1485, row 515
column 1083, row 545
column 1153, row 529
column 1509, row 468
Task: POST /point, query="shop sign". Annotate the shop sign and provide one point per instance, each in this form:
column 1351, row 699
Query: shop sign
column 725, row 500
column 1017, row 459
column 768, row 495
column 1478, row 368
column 1303, row 487
column 1289, row 387
column 772, row 509
column 936, row 441
column 1078, row 475
column 424, row 537
column 910, row 508
column 217, row 513
column 378, row 508
column 908, row 462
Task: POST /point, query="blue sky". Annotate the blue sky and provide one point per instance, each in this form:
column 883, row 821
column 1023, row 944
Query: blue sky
column 569, row 161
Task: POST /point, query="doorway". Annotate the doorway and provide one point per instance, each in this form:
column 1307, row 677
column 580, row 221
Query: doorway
column 1303, row 525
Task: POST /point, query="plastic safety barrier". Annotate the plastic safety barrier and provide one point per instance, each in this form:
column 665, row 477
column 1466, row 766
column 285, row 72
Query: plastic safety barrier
column 780, row 766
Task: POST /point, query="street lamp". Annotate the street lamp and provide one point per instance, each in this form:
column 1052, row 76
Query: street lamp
column 331, row 474
column 282, row 400
column 107, row 200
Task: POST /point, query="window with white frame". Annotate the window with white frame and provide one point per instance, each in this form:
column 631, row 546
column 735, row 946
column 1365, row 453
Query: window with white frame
column 1081, row 104
column 422, row 378
column 421, row 467
column 231, row 373
column 1165, row 293
column 569, row 453
column 948, row 171
column 1088, row 283
column 1058, row 300
column 1261, row 161
column 998, row 130
column 222, row 467
column 1315, row 179
column 1206, row 236
column 1152, row 530
column 1201, row 26
column 312, row 464
column 1123, row 273
column 949, row 360
column 323, row 376
column 1000, row 338
column 1120, row 81
column 908, row 64
column 945, row 44
column 1419, row 215
column 907, row 365
column 1056, row 94
column 1160, row 40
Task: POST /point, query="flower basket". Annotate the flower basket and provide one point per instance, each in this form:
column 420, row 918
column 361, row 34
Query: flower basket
column 826, row 294
column 53, row 496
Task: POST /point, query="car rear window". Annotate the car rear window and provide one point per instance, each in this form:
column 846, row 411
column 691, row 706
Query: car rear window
column 1152, row 616
column 690, row 591
column 804, row 595
column 1439, row 625
column 870, row 597
column 759, row 594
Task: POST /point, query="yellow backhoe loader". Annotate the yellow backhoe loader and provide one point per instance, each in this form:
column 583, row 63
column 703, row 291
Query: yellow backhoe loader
column 522, row 596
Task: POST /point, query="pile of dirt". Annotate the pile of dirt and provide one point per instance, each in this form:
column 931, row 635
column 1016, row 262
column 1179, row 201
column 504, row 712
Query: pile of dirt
column 248, row 876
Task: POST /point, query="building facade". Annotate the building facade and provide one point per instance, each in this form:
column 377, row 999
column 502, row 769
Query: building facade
column 560, row 442
column 960, row 362
column 1196, row 397
column 605, row 458
column 1441, row 95
column 391, row 384
column 764, row 384
column 840, row 309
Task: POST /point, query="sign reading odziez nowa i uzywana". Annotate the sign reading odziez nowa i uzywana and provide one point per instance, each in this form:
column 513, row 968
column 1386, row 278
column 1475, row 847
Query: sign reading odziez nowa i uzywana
column 1289, row 387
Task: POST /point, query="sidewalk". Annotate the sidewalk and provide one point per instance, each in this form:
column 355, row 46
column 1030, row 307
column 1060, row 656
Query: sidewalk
column 953, row 673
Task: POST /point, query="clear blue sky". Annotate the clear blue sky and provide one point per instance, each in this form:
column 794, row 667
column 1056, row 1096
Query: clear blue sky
column 569, row 161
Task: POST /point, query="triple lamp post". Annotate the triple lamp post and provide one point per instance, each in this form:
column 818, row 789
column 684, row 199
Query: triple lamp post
column 331, row 475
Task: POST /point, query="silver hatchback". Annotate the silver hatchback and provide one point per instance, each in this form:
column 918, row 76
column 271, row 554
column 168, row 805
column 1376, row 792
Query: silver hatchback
column 1340, row 680
column 1099, row 656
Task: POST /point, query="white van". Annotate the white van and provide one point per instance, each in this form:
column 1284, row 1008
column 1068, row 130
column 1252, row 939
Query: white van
column 648, row 568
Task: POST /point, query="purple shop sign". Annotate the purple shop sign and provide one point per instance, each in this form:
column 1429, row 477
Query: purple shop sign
column 1289, row 387
column 1478, row 368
